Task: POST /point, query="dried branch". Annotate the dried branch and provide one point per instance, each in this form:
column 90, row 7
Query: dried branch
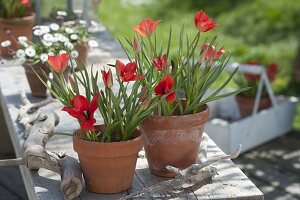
column 199, row 174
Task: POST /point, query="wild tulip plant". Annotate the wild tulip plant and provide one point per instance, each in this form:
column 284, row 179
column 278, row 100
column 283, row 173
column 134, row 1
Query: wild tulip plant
column 122, row 110
column 184, row 80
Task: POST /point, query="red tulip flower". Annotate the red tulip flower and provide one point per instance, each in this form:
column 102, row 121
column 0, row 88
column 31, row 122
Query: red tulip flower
column 146, row 27
column 128, row 72
column 83, row 111
column 210, row 52
column 272, row 70
column 107, row 78
column 252, row 77
column 136, row 45
column 59, row 62
column 161, row 62
column 164, row 87
column 203, row 23
column 25, row 3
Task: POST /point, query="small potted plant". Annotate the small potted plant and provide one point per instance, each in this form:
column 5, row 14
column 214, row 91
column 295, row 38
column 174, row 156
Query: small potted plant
column 15, row 20
column 246, row 98
column 35, row 54
column 173, row 132
column 107, row 152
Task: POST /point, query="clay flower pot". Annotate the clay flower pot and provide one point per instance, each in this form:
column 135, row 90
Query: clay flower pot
column 37, row 88
column 246, row 104
column 108, row 167
column 11, row 29
column 82, row 49
column 173, row 140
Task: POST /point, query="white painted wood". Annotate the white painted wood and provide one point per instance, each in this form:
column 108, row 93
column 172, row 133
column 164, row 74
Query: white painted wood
column 253, row 130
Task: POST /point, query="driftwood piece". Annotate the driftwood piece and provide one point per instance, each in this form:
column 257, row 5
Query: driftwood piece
column 197, row 174
column 38, row 125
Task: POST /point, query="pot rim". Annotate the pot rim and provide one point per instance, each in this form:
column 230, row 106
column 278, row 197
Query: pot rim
column 203, row 111
column 29, row 17
column 109, row 149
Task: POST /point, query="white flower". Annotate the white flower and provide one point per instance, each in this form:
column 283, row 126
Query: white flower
column 62, row 51
column 63, row 39
column 54, row 27
column 83, row 22
column 48, row 37
column 74, row 36
column 62, row 13
column 51, row 54
column 69, row 30
column 6, row 43
column 45, row 29
column 47, row 43
column 94, row 23
column 20, row 53
column 93, row 43
column 30, row 52
column 69, row 45
column 22, row 39
column 38, row 32
column 74, row 54
column 44, row 57
column 3, row 62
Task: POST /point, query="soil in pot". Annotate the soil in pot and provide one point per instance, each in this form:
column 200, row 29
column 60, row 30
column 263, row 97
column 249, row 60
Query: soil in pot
column 11, row 29
column 38, row 89
column 108, row 167
column 173, row 140
column 82, row 49
column 246, row 104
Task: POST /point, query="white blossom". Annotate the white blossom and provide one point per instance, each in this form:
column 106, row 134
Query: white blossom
column 45, row 29
column 94, row 23
column 74, row 36
column 44, row 57
column 20, row 53
column 30, row 52
column 54, row 27
column 62, row 13
column 74, row 54
column 51, row 54
column 93, row 43
column 69, row 30
column 83, row 22
column 6, row 43
column 38, row 32
column 22, row 39
column 69, row 45
column 47, row 43
column 62, row 51
column 48, row 37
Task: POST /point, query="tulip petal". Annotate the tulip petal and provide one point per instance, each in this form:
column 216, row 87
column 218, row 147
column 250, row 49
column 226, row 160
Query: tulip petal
column 81, row 103
column 94, row 104
column 88, row 124
column 73, row 112
column 171, row 97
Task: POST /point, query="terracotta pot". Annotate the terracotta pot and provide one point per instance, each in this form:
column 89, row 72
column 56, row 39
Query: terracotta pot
column 246, row 104
column 108, row 167
column 37, row 88
column 17, row 27
column 82, row 49
column 173, row 140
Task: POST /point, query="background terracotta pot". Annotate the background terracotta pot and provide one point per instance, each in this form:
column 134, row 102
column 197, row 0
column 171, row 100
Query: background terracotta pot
column 246, row 104
column 36, row 86
column 17, row 27
column 173, row 140
column 82, row 49
column 108, row 167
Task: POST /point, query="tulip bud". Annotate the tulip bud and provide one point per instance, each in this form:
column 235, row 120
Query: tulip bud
column 136, row 45
column 72, row 83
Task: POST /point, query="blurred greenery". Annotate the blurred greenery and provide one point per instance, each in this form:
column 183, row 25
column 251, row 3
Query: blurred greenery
column 262, row 30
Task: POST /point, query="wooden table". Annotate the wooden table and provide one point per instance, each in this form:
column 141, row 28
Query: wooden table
column 230, row 183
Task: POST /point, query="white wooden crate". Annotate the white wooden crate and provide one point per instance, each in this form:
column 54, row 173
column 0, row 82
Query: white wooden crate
column 250, row 131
